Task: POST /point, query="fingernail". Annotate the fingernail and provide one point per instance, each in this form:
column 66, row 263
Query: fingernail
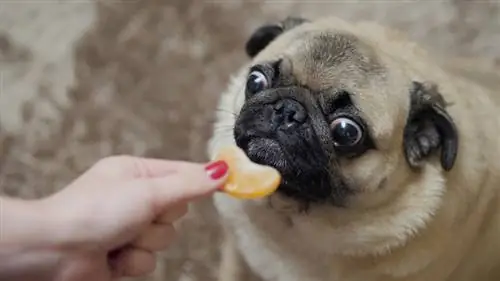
column 216, row 170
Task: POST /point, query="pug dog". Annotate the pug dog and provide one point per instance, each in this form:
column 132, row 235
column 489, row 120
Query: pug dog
column 389, row 156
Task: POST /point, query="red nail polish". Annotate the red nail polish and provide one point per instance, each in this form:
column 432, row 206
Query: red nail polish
column 217, row 169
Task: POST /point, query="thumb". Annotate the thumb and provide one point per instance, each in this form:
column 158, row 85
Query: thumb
column 189, row 182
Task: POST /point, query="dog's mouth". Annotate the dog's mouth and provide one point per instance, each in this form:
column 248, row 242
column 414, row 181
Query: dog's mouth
column 295, row 183
column 269, row 152
column 266, row 151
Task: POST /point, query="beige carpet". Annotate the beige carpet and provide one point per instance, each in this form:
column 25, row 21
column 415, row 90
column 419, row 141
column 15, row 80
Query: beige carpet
column 80, row 80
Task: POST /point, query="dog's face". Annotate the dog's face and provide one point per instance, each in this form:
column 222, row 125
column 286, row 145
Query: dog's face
column 346, row 123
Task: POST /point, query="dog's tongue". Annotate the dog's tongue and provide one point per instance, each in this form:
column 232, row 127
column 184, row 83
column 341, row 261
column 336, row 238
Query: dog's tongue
column 246, row 179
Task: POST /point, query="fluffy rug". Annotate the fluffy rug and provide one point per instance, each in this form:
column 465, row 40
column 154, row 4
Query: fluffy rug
column 80, row 80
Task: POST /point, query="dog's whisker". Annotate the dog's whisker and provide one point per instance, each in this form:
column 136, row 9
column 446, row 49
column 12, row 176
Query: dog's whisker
column 224, row 131
column 229, row 129
column 223, row 125
column 223, row 110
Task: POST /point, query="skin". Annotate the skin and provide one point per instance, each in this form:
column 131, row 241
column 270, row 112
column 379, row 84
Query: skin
column 106, row 224
column 405, row 217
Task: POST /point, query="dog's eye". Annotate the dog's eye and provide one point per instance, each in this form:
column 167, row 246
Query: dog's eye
column 346, row 132
column 257, row 81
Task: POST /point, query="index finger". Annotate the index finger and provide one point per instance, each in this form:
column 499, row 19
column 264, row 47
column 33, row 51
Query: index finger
column 140, row 167
column 189, row 183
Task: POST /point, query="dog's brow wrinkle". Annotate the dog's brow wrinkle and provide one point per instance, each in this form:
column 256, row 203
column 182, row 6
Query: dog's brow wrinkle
column 332, row 49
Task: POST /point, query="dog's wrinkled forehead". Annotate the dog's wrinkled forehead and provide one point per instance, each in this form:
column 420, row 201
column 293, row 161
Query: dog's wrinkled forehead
column 335, row 60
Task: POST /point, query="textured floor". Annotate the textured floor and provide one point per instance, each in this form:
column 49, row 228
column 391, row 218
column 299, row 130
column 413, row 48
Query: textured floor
column 82, row 79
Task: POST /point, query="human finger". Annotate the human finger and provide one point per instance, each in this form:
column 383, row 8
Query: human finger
column 140, row 167
column 156, row 237
column 172, row 214
column 133, row 262
column 188, row 184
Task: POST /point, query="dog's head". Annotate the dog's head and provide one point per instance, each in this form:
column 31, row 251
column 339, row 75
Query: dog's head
column 349, row 122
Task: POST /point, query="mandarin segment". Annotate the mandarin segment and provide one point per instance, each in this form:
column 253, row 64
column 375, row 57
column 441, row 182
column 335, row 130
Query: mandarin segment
column 246, row 179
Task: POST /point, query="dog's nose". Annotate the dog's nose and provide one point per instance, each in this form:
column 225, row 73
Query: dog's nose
column 288, row 114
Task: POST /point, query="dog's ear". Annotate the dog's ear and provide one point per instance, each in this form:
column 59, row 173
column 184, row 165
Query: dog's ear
column 265, row 34
column 429, row 128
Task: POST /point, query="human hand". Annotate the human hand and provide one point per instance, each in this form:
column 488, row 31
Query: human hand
column 117, row 214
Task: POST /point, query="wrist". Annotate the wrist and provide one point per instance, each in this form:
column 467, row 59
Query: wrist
column 28, row 248
column 27, row 224
column 25, row 264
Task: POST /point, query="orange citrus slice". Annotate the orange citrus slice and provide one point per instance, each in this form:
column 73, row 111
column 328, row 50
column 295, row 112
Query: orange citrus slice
column 246, row 179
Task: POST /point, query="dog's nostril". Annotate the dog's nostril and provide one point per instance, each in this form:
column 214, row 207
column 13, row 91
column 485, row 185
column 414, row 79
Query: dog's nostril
column 288, row 113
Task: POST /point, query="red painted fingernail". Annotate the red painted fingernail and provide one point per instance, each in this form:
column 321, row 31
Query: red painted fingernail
column 217, row 169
